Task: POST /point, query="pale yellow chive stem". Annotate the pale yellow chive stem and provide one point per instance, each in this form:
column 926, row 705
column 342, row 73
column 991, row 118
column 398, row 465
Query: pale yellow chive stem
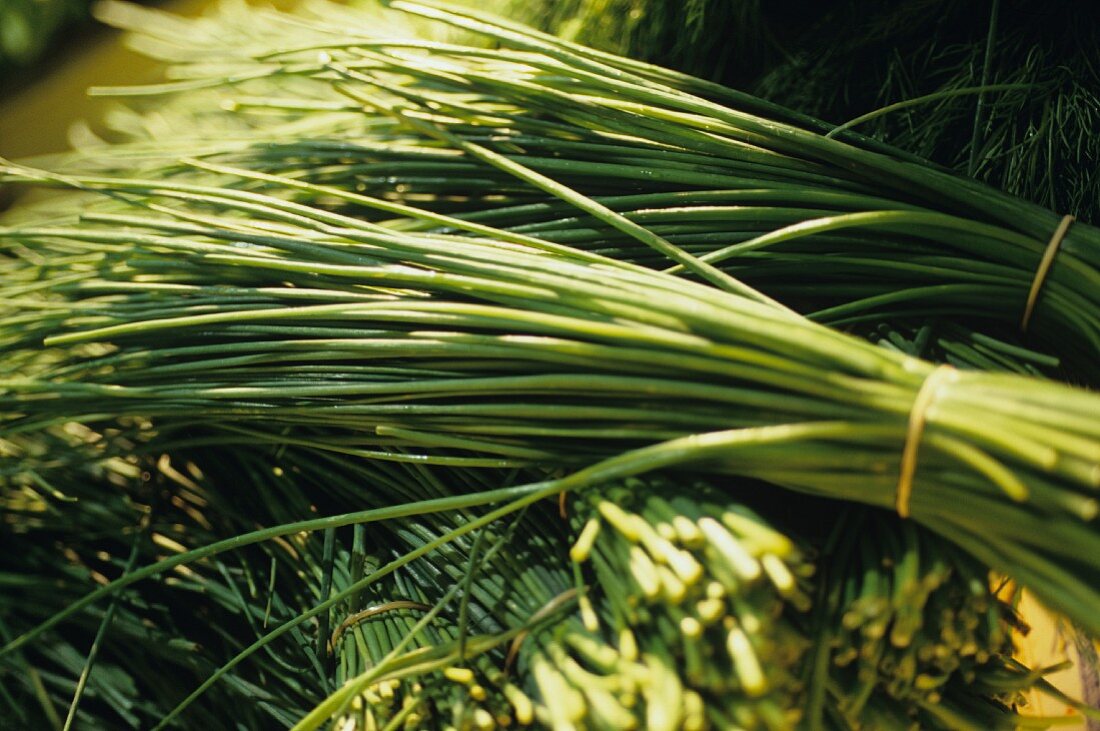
column 620, row 519
column 674, row 589
column 588, row 614
column 686, row 567
column 745, row 662
column 710, row 610
column 730, row 549
column 628, row 647
column 689, row 533
column 683, row 563
column 747, row 616
column 565, row 703
column 695, row 718
column 464, row 676
column 483, row 720
column 778, row 572
column 765, row 538
column 385, row 690
column 645, row 572
column 664, row 702
column 691, row 628
column 610, row 711
column 603, row 657
column 581, row 550
column 666, row 531
column 598, row 689
column 524, row 708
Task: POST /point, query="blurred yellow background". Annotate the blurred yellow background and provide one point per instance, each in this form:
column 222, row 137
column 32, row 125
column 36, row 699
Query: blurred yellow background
column 36, row 119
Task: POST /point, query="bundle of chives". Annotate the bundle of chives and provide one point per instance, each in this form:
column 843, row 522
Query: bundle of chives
column 485, row 352
column 917, row 596
column 845, row 233
column 909, row 626
column 697, row 588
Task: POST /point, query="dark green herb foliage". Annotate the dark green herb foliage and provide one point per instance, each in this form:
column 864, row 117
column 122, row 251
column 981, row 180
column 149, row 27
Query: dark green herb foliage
column 65, row 526
column 28, row 29
column 838, row 60
column 1037, row 141
column 728, row 41
column 908, row 627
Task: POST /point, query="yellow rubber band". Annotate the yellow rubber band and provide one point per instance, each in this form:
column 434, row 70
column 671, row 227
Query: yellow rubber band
column 917, row 417
column 1044, row 267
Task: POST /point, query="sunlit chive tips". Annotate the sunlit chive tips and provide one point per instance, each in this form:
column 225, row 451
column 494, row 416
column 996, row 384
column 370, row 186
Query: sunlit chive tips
column 749, row 672
column 620, row 519
column 521, row 703
column 645, row 572
column 589, row 618
column 465, row 676
column 583, row 546
column 730, row 549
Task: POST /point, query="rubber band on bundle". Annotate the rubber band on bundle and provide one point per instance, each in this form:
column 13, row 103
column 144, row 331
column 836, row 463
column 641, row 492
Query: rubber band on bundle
column 1044, row 267
column 917, row 417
